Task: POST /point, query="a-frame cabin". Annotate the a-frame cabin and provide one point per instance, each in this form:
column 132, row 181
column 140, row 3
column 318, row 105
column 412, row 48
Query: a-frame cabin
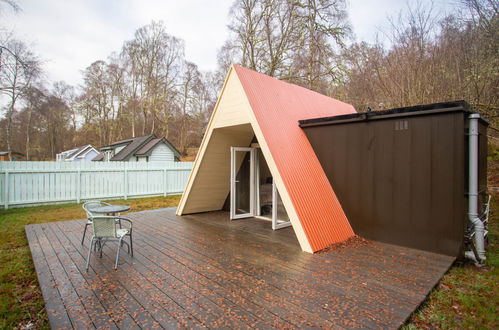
column 252, row 141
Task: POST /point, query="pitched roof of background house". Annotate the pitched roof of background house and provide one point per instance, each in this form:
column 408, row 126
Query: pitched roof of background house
column 148, row 147
column 138, row 146
column 122, row 142
column 132, row 147
column 278, row 106
column 99, row 157
column 77, row 151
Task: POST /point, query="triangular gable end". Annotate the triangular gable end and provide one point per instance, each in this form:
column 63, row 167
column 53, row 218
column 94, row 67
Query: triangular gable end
column 232, row 123
column 252, row 104
column 213, row 151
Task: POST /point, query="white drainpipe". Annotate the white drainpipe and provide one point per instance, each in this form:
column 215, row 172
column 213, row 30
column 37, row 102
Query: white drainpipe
column 473, row 187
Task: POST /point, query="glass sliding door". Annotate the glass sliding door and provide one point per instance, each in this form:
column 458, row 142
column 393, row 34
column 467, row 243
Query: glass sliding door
column 242, row 192
column 269, row 205
column 263, row 187
column 252, row 189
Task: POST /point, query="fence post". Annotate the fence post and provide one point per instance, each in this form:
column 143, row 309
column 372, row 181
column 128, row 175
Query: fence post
column 78, row 186
column 6, row 190
column 125, row 183
column 165, row 184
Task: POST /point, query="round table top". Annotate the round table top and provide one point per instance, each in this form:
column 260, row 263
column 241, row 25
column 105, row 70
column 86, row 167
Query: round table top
column 104, row 209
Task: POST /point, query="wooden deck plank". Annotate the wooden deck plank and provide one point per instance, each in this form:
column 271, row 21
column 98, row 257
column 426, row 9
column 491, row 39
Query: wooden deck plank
column 301, row 296
column 237, row 294
column 74, row 306
column 275, row 263
column 113, row 297
column 88, row 297
column 378, row 269
column 301, row 316
column 396, row 303
column 217, row 319
column 168, row 263
column 206, row 271
column 246, row 284
column 166, row 311
column 298, row 290
column 54, row 304
column 227, row 311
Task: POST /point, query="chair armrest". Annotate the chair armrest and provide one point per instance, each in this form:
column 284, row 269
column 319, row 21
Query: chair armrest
column 119, row 219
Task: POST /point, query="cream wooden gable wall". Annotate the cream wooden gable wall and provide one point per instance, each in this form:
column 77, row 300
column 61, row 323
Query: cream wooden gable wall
column 229, row 126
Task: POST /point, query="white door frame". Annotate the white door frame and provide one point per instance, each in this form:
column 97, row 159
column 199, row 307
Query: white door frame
column 233, row 174
column 254, row 189
column 275, row 224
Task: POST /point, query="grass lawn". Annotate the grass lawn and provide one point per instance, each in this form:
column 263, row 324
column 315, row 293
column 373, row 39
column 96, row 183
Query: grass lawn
column 465, row 298
column 21, row 301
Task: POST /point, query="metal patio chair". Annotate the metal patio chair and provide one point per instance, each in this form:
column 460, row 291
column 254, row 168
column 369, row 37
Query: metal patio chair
column 106, row 229
column 86, row 207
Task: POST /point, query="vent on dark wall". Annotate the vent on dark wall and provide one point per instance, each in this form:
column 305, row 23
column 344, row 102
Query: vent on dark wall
column 401, row 125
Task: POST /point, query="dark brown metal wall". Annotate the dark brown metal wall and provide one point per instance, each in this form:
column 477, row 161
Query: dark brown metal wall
column 399, row 180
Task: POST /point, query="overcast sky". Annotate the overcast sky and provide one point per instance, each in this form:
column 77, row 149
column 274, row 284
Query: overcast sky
column 71, row 34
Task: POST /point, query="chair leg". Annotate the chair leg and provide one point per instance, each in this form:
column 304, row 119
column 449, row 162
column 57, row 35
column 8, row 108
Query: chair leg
column 117, row 255
column 89, row 253
column 84, row 232
column 131, row 243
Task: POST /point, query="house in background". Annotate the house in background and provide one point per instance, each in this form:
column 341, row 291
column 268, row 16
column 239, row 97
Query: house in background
column 14, row 156
column 147, row 148
column 80, row 154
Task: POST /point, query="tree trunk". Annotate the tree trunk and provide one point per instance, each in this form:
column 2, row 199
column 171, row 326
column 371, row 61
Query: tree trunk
column 10, row 113
column 144, row 113
column 28, row 125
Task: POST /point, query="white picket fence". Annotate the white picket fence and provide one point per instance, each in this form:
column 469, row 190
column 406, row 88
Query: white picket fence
column 35, row 183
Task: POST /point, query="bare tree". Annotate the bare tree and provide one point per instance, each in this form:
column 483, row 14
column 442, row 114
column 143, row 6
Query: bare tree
column 189, row 95
column 34, row 99
column 19, row 67
column 67, row 94
column 430, row 60
column 10, row 3
column 290, row 40
column 154, row 58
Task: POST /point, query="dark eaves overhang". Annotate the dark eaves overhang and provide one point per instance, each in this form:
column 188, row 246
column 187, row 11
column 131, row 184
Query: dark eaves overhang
column 419, row 110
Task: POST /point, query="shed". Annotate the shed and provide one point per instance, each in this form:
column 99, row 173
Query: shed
column 401, row 175
column 11, row 156
column 253, row 149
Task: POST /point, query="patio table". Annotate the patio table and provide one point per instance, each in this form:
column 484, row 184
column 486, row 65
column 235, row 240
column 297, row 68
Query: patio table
column 110, row 209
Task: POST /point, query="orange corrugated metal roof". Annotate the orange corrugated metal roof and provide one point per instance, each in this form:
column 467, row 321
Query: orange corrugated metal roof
column 278, row 106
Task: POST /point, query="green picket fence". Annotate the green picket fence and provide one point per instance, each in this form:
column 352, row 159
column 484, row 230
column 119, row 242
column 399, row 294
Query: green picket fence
column 36, row 183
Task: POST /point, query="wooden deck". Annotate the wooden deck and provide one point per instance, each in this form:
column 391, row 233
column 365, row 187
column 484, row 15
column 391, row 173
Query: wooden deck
column 207, row 271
